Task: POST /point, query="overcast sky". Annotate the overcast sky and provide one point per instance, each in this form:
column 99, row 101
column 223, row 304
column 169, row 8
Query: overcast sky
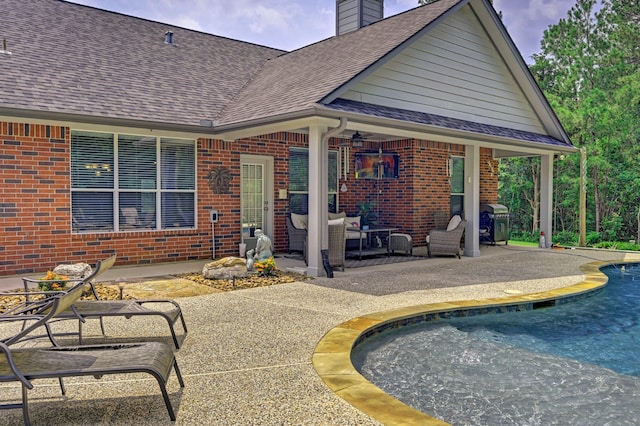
column 290, row 24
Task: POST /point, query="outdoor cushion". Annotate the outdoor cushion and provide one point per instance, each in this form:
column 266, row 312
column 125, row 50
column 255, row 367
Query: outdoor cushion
column 454, row 222
column 299, row 221
column 337, row 215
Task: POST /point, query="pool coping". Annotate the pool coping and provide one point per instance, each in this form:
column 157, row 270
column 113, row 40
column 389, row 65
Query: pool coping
column 332, row 356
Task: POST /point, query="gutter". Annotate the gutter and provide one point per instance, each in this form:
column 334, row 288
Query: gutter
column 66, row 118
column 318, row 111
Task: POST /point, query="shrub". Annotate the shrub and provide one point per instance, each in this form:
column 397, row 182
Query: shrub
column 566, row 238
column 593, row 238
column 53, row 282
column 524, row 236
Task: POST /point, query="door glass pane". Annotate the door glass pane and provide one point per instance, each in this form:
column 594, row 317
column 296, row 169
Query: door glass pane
column 252, row 198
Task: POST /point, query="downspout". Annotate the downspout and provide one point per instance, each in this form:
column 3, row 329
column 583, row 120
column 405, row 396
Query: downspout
column 336, row 131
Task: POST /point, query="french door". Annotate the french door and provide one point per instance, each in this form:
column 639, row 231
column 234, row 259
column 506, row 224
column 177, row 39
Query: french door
column 256, row 195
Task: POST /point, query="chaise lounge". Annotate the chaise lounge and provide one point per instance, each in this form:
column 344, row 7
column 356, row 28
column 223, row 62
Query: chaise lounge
column 98, row 309
column 29, row 363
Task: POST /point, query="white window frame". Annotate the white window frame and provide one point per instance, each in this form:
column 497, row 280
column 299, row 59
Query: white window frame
column 114, row 225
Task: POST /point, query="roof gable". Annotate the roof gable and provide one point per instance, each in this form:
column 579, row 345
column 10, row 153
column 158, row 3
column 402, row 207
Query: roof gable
column 300, row 79
column 454, row 70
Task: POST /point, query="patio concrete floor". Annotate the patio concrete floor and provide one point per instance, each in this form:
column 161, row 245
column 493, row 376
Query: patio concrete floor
column 247, row 359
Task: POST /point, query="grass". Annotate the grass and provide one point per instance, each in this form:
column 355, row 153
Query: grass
column 523, row 243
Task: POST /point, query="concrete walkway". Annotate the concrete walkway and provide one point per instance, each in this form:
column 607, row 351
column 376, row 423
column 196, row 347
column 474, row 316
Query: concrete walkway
column 247, row 358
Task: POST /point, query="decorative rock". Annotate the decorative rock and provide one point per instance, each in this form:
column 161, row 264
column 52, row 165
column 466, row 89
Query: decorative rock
column 76, row 271
column 226, row 268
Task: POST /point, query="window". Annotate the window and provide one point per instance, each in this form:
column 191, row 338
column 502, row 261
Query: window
column 299, row 180
column 457, row 186
column 127, row 182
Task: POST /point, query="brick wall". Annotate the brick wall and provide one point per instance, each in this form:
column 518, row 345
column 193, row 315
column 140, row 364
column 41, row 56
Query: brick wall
column 35, row 203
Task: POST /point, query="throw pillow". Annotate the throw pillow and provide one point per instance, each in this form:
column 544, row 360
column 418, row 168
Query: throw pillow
column 337, row 215
column 454, row 222
column 352, row 222
column 299, row 221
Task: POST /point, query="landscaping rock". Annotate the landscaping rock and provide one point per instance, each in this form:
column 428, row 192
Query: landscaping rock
column 76, row 271
column 226, row 268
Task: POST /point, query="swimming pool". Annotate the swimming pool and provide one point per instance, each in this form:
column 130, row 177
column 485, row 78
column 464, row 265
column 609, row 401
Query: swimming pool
column 573, row 364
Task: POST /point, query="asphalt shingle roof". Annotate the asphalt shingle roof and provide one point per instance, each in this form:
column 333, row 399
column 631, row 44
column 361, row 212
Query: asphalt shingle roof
column 73, row 59
column 440, row 121
column 298, row 80
column 79, row 60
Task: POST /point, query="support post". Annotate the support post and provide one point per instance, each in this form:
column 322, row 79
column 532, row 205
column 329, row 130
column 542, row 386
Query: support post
column 546, row 198
column 472, row 200
column 317, row 229
column 583, row 197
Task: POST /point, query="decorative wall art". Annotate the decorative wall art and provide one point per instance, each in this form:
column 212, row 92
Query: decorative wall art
column 219, row 179
column 376, row 165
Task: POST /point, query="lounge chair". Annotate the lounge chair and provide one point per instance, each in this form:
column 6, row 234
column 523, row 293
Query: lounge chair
column 98, row 309
column 297, row 237
column 446, row 242
column 337, row 239
column 27, row 364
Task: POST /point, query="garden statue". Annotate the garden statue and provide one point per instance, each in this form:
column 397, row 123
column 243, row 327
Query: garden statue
column 262, row 251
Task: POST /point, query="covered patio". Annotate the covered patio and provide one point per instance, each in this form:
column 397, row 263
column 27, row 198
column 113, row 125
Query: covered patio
column 336, row 124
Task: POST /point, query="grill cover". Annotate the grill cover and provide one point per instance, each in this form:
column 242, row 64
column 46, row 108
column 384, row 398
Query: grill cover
column 494, row 223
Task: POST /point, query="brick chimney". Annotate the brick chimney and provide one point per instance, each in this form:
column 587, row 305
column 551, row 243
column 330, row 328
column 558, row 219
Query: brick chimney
column 352, row 15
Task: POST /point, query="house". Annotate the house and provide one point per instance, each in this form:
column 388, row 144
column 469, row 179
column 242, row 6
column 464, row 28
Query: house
column 124, row 135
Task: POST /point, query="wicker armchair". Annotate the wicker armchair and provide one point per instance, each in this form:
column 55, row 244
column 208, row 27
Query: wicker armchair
column 337, row 240
column 446, row 242
column 297, row 237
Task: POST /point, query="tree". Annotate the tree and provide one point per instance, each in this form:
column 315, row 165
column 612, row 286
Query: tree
column 588, row 69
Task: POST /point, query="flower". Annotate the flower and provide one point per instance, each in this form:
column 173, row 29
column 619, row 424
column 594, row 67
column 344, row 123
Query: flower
column 53, row 282
column 265, row 267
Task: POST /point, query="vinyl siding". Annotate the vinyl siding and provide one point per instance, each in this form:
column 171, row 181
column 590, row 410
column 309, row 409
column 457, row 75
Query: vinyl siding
column 454, row 71
column 349, row 18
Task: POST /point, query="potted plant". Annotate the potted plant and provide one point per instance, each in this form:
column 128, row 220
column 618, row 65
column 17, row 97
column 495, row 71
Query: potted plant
column 367, row 214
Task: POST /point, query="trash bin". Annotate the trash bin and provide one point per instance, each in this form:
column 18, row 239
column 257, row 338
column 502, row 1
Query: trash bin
column 494, row 223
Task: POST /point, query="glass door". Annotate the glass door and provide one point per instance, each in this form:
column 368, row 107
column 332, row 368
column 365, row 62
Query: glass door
column 253, row 201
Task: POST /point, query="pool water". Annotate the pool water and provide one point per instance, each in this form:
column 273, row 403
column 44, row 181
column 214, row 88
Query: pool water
column 577, row 363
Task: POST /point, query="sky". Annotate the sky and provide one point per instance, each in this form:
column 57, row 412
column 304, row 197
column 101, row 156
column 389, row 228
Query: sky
column 291, row 24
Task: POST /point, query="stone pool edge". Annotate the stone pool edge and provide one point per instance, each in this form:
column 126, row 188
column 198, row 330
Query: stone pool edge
column 332, row 356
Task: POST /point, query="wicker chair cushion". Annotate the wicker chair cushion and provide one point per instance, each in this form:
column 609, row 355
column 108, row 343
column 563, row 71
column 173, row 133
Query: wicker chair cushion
column 454, row 222
column 337, row 215
column 299, row 221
